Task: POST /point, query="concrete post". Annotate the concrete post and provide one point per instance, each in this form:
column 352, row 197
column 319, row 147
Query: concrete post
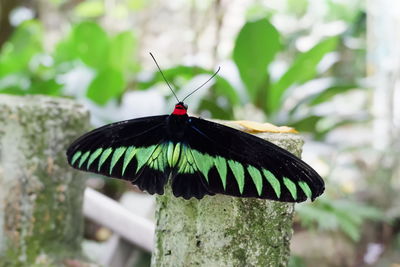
column 222, row 231
column 40, row 195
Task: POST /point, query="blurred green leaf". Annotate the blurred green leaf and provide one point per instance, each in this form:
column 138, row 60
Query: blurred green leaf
column 349, row 223
column 320, row 214
column 91, row 44
column 37, row 86
column 319, row 126
column 346, row 11
column 18, row 51
column 13, row 90
column 45, row 87
column 325, row 95
column 224, row 88
column 297, row 7
column 213, row 103
column 258, row 10
column 122, row 51
column 352, row 214
column 362, row 210
column 306, row 124
column 296, row 261
column 172, row 74
column 216, row 111
column 176, row 74
column 64, row 55
column 88, row 42
column 329, row 93
column 108, row 84
column 255, row 48
column 303, row 69
column 137, row 4
column 90, row 9
column 346, row 215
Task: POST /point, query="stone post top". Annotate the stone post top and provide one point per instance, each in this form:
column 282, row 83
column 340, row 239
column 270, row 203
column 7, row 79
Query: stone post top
column 290, row 141
column 41, row 101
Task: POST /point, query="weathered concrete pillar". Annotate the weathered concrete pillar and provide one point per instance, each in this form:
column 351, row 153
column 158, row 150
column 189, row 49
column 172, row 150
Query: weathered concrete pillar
column 220, row 231
column 40, row 196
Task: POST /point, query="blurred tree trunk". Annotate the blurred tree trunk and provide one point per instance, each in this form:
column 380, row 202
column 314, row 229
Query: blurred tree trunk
column 53, row 17
column 384, row 76
column 6, row 6
column 384, row 69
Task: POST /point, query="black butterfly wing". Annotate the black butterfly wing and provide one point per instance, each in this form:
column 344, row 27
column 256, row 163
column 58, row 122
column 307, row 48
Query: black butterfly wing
column 132, row 150
column 187, row 176
column 203, row 158
column 235, row 163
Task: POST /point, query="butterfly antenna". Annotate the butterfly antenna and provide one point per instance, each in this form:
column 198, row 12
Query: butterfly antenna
column 202, row 84
column 165, row 79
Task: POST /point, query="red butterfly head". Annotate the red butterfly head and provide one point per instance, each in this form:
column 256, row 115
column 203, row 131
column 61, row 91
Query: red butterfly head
column 180, row 109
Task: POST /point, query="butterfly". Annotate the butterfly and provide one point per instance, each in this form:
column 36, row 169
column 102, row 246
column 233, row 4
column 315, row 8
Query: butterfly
column 199, row 156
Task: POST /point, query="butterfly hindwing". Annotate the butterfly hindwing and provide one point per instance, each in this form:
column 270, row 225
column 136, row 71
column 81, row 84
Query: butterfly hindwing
column 239, row 164
column 187, row 178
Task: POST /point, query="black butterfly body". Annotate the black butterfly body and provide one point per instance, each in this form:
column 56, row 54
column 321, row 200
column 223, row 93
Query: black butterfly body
column 201, row 158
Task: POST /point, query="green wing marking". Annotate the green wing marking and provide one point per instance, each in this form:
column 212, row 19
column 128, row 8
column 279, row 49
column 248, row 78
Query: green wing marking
column 83, row 158
column 182, row 164
column 129, row 154
column 306, row 189
column 186, row 162
column 189, row 156
column 291, row 187
column 93, row 157
column 116, row 156
column 173, row 153
column 176, row 154
column 273, row 181
column 104, row 157
column 162, row 160
column 157, row 152
column 157, row 159
column 76, row 157
column 257, row 178
column 220, row 164
column 170, row 152
column 204, row 162
column 191, row 160
column 238, row 172
column 143, row 154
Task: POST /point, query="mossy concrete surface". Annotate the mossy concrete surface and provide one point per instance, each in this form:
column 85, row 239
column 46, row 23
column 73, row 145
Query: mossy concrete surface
column 220, row 231
column 41, row 218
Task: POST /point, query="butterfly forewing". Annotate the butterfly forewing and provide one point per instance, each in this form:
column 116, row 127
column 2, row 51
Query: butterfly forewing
column 125, row 150
column 243, row 165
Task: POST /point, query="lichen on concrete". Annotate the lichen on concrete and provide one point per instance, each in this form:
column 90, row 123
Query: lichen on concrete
column 40, row 196
column 225, row 231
